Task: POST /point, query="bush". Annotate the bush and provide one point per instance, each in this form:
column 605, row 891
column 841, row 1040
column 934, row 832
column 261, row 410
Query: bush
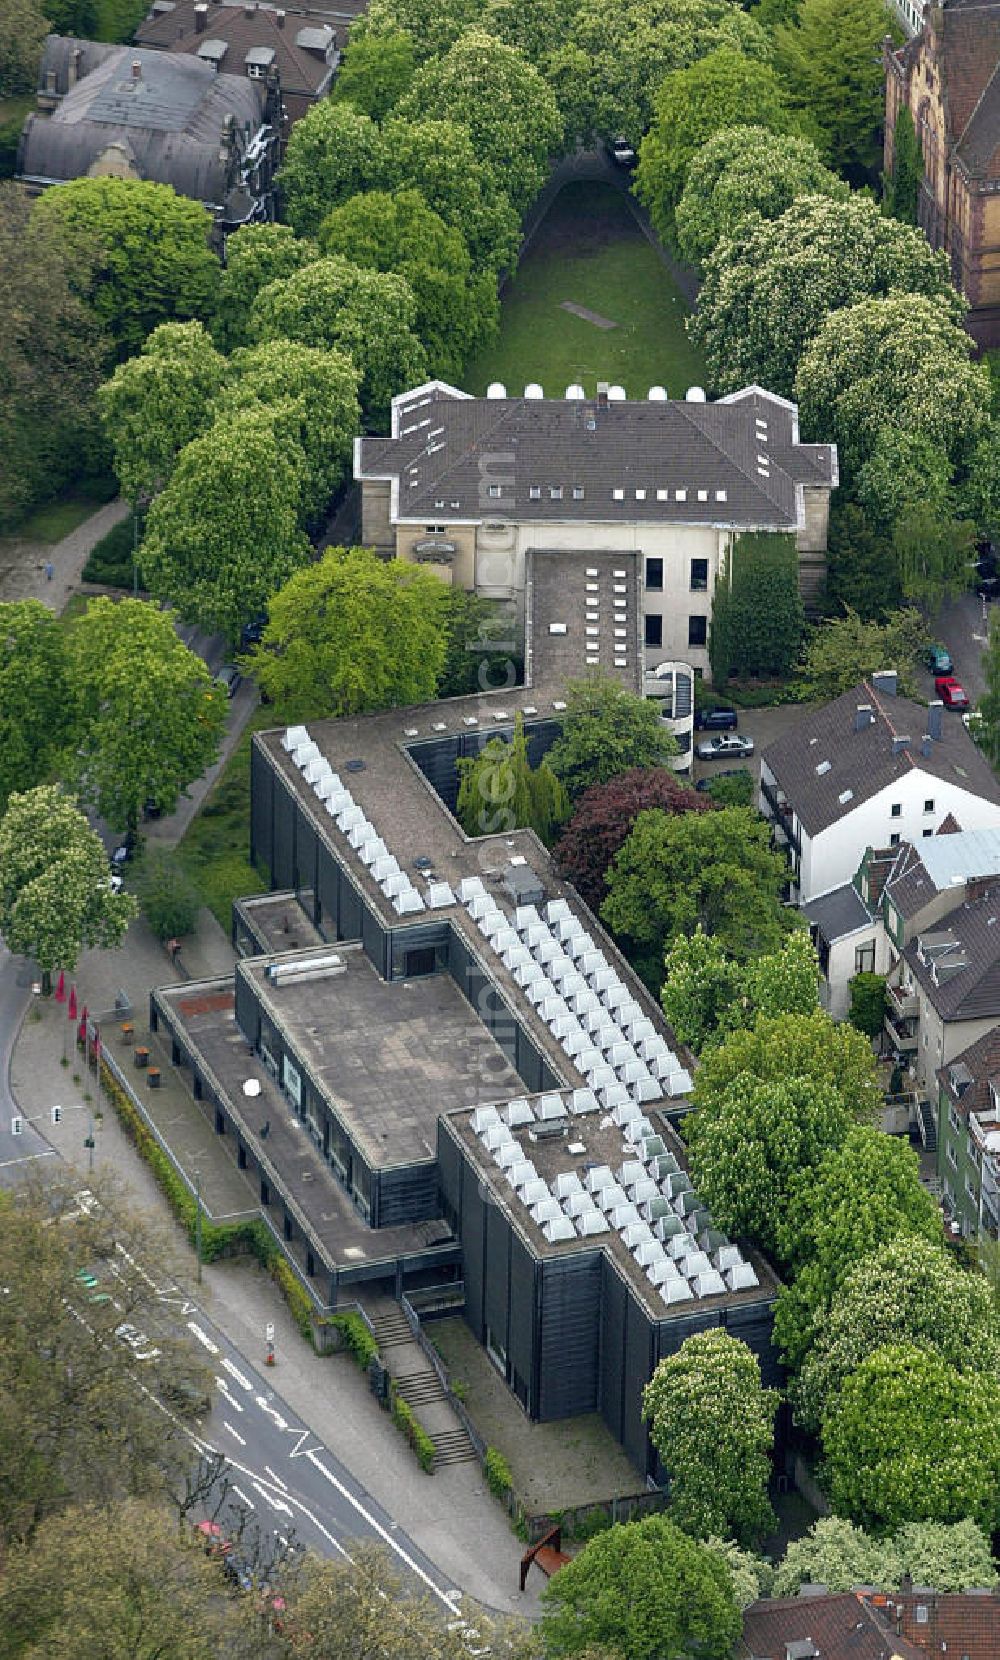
column 295, row 1295
column 110, row 562
column 497, row 1471
column 733, row 790
column 867, row 1010
column 358, row 1340
column 167, row 895
column 405, row 1419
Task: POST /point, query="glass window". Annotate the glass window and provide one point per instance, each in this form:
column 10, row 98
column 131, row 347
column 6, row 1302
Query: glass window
column 699, row 576
column 929, row 805
column 697, row 631
column 894, row 839
column 896, row 809
column 864, row 958
column 951, row 1156
column 495, row 492
column 929, row 831
column 555, row 492
column 578, row 492
column 654, row 631
column 534, row 492
column 953, row 1118
column 654, row 574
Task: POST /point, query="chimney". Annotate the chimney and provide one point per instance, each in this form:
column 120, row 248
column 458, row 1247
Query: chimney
column 279, row 18
column 602, row 394
column 899, row 744
column 884, row 681
column 934, row 718
column 136, row 70
column 200, row 17
column 50, row 80
column 926, row 745
column 73, row 69
column 863, row 717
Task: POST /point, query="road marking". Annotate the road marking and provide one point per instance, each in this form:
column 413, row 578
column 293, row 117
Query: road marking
column 272, row 1412
column 234, row 1372
column 242, row 1496
column 203, row 1337
column 240, row 1438
column 299, row 1451
column 49, row 1153
column 272, row 1499
column 227, row 1395
column 276, row 1479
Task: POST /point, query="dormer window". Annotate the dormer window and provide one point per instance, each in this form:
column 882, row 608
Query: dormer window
column 534, row 492
column 555, row 492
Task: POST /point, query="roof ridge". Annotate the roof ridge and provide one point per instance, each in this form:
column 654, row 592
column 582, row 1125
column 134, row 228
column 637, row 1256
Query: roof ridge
column 760, row 483
column 904, row 753
column 987, row 84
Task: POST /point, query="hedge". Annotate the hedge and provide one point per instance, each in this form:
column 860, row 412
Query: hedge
column 295, row 1295
column 357, row 1338
column 498, row 1474
column 405, row 1419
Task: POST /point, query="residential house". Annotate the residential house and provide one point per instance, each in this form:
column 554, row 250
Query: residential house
column 947, row 76
column 968, row 1113
column 251, row 40
column 128, row 113
column 946, row 988
column 497, row 493
column 863, row 1624
column 870, row 769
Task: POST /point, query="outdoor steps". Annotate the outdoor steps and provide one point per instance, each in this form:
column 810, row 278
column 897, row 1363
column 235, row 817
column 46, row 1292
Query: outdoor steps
column 419, row 1388
column 391, row 1329
column 928, row 1129
column 452, row 1447
column 417, row 1383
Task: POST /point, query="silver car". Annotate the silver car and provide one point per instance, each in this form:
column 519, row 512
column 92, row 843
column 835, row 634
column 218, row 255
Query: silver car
column 728, row 746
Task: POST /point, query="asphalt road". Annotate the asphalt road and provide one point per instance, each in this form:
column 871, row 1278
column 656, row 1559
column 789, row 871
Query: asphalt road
column 17, row 1152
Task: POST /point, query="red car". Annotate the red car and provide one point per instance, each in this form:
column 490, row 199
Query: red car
column 951, row 692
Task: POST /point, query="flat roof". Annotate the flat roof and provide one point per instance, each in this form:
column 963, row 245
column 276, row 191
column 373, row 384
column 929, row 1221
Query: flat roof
column 390, row 1056
column 593, row 1142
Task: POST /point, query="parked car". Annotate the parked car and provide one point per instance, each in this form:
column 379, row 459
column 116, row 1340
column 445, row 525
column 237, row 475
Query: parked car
column 252, row 632
column 728, row 747
column 939, row 659
column 951, row 692
column 125, row 850
column 722, row 719
column 229, row 678
column 988, row 587
column 622, row 153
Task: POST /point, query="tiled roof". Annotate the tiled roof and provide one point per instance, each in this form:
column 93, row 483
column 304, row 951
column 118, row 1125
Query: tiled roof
column 735, row 462
column 241, row 30
column 971, row 992
column 942, row 861
column 840, row 1626
column 968, row 56
column 962, row 1626
column 840, row 912
column 827, row 767
column 982, row 1061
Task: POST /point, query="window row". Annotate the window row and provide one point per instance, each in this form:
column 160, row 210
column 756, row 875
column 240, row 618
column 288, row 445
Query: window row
column 698, row 576
column 697, row 631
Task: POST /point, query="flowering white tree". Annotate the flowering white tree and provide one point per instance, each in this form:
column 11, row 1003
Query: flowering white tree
column 951, row 1556
column 743, row 175
column 712, row 1424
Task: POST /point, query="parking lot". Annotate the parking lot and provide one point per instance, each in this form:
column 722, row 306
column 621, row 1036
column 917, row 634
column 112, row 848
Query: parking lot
column 763, row 726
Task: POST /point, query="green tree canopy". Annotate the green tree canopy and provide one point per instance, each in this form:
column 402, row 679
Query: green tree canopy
column 901, row 361
column 908, row 1291
column 645, row 1590
column 332, row 153
column 321, row 388
column 155, row 263
column 157, row 402
column 352, row 633
column 950, row 1556
column 901, row 190
column 861, row 573
column 904, row 469
column 603, row 819
column 868, row 1003
column 757, row 615
column 22, row 31
column 794, row 1046
column 712, row 1424
column 864, row 1193
column 256, row 255
column 152, row 716
column 830, row 58
column 399, row 233
column 510, row 112
column 55, row 889
column 433, row 25
column 769, row 289
column 37, row 711
column 935, row 555
column 223, row 535
column 844, row 650
column 605, row 731
column 719, row 90
column 481, row 645
column 988, row 735
column 909, row 1439
column 716, row 870
column 500, row 790
column 742, row 175
column 334, row 305
column 376, row 72
column 438, row 159
column 707, row 995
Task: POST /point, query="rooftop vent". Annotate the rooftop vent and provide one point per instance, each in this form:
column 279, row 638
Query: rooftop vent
column 617, row 394
column 803, row 1648
column 695, row 394
column 354, row 766
column 822, row 767
column 863, row 717
column 900, row 743
column 657, row 394
column 533, row 390
column 575, row 393
column 496, row 389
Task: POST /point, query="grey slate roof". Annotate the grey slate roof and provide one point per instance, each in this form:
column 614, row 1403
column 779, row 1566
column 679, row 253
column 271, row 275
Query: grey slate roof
column 863, row 762
column 941, row 862
column 838, row 913
column 736, row 462
column 168, row 121
column 973, row 992
column 240, row 36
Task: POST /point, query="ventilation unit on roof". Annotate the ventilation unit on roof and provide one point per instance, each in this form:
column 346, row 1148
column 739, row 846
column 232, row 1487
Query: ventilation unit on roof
column 695, row 394
column 315, row 968
column 356, row 765
column 533, row 390
column 575, row 393
column 496, row 389
column 657, row 394
column 821, row 768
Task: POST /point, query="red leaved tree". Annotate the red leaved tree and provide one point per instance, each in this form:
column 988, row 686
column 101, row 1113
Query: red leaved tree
column 603, row 820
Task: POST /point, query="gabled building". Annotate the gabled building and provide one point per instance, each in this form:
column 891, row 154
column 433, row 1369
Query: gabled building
column 870, row 769
column 490, row 492
column 968, row 1112
column 256, row 41
column 947, row 76
column 818, row 1625
column 127, row 113
column 947, row 984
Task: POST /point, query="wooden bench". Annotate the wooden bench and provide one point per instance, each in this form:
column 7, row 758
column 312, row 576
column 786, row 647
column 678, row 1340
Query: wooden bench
column 547, row 1554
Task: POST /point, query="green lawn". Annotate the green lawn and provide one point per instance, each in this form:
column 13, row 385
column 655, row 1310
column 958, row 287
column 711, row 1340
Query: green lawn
column 590, row 251
column 215, row 850
column 55, row 519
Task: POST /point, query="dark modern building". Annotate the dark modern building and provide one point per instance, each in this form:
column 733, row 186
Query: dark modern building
column 435, row 1068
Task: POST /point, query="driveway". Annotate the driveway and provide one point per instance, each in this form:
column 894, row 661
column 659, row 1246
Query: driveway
column 763, row 726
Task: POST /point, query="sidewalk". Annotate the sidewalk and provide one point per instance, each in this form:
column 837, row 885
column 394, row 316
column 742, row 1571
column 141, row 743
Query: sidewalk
column 22, row 564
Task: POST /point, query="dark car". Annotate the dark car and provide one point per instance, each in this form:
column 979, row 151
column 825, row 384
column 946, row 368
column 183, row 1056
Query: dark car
column 252, row 632
column 229, row 678
column 722, row 719
column 988, row 587
column 622, row 153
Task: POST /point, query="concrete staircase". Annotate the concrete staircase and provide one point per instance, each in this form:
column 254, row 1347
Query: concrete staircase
column 418, row 1383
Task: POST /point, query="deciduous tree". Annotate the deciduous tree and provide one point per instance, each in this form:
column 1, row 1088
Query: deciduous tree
column 908, row 1291
column 152, row 717
column 845, row 650
column 707, row 995
column 433, row 25
column 718, row 90
column 713, row 869
column 55, row 890
column 909, row 1439
column 37, row 712
column 603, row 819
column 606, row 731
column 861, row 574
column 333, row 305
column 744, row 174
column 438, row 159
column 830, row 59
column 643, row 1589
column 155, row 263
column 256, row 255
column 901, row 190
column 482, row 651
column 157, row 402
column 376, row 72
column 867, row 1011
column 22, row 30
column 332, row 153
column 223, row 535
column 769, row 289
column 351, row 633
column 170, row 901
column 712, row 1424
column 950, row 1556
column 936, row 557
column 757, row 614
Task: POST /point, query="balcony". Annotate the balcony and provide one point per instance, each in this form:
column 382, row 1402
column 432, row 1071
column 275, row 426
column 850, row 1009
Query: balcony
column 902, row 1034
column 902, row 1001
column 782, row 816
